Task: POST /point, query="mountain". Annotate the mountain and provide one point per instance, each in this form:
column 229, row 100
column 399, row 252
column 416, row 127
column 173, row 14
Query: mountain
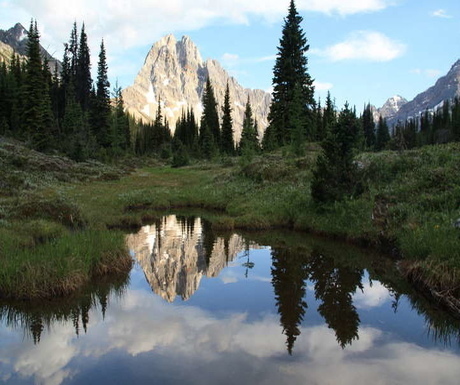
column 446, row 88
column 175, row 73
column 391, row 107
column 16, row 39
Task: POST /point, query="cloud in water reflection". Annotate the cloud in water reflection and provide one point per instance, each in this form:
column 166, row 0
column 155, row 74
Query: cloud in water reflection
column 235, row 328
column 196, row 347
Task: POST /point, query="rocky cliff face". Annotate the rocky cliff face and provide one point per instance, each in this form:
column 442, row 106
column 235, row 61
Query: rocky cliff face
column 174, row 255
column 175, row 74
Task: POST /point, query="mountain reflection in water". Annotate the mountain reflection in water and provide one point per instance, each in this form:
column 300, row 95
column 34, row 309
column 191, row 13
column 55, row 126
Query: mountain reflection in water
column 302, row 311
column 176, row 252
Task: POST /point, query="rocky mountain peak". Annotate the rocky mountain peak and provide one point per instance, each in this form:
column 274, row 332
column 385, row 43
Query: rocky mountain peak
column 17, row 37
column 175, row 74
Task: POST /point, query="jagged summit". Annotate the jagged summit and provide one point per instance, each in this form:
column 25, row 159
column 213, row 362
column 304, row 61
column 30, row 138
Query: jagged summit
column 17, row 37
column 175, row 73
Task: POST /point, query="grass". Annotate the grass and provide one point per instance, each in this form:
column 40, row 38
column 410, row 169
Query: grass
column 411, row 202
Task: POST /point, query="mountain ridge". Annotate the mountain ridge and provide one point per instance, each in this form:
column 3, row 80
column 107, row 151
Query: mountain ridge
column 16, row 38
column 447, row 87
column 175, row 73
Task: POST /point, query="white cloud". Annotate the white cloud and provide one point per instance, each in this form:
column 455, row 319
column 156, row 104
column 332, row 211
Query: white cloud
column 131, row 23
column 371, row 296
column 441, row 13
column 364, row 45
column 320, row 86
column 344, row 8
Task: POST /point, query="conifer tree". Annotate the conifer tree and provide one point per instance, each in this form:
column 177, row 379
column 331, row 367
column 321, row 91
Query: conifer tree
column 383, row 135
column 335, row 174
column 120, row 133
column 209, row 118
column 295, row 120
column 101, row 104
column 227, row 145
column 73, row 52
column 36, row 95
column 83, row 81
column 368, row 124
column 291, row 69
column 249, row 143
column 329, row 116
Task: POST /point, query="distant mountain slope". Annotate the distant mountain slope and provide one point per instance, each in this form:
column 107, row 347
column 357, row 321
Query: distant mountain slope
column 446, row 88
column 16, row 38
column 175, row 73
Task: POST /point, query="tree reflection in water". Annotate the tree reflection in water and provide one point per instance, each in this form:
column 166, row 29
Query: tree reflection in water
column 34, row 317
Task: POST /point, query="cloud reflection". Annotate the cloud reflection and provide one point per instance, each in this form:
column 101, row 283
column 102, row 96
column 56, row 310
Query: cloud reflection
column 184, row 339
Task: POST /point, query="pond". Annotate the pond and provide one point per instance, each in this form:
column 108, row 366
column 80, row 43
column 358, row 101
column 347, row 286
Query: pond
column 202, row 307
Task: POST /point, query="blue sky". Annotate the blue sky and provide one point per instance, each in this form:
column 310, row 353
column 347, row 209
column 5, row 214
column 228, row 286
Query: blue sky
column 360, row 50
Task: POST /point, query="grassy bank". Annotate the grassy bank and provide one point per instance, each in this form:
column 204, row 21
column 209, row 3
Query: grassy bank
column 408, row 209
column 48, row 247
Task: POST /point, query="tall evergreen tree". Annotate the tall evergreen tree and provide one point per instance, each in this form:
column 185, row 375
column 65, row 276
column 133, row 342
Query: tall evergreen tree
column 368, row 124
column 295, row 120
column 209, row 118
column 249, row 143
column 36, row 95
column 101, row 103
column 83, row 81
column 291, row 69
column 73, row 51
column 121, row 136
column 227, row 145
column 383, row 135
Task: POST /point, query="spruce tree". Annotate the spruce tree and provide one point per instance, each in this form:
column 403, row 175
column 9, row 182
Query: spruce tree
column 227, row 145
column 83, row 81
column 37, row 103
column 335, row 176
column 249, row 143
column 383, row 135
column 209, row 118
column 101, row 103
column 367, row 121
column 295, row 120
column 291, row 69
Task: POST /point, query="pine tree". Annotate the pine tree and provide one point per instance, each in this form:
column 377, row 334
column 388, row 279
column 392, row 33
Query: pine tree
column 101, row 103
column 291, row 69
column 120, row 133
column 295, row 120
column 383, row 135
column 227, row 144
column 209, row 118
column 368, row 124
column 73, row 52
column 83, row 81
column 335, row 175
column 249, row 144
column 36, row 95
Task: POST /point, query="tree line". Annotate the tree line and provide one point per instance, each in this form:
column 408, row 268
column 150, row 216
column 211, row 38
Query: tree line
column 63, row 109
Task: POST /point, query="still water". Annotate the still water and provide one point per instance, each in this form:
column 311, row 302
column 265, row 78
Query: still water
column 205, row 308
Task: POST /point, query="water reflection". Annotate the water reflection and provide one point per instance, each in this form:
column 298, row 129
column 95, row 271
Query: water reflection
column 33, row 318
column 176, row 252
column 343, row 316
